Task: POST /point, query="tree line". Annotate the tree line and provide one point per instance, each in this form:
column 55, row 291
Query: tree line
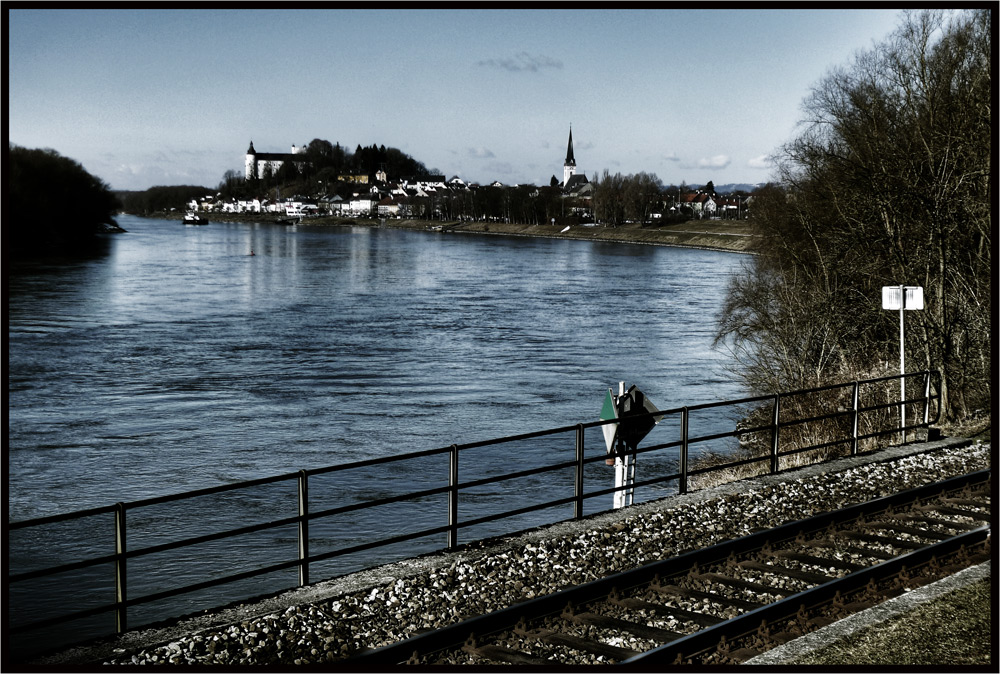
column 323, row 163
column 888, row 183
column 618, row 199
column 38, row 184
column 162, row 198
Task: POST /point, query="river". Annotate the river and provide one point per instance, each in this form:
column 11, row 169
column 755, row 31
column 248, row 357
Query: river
column 176, row 360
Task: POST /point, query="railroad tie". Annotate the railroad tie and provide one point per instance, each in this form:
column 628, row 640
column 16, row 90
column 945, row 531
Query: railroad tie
column 868, row 552
column 735, row 656
column 806, row 621
column 831, row 544
column 701, row 619
column 587, row 645
column 938, row 522
column 503, row 654
column 885, row 540
column 746, row 585
column 952, row 510
column 742, row 654
column 913, row 531
column 741, row 604
column 973, row 502
column 572, row 641
column 766, row 638
column 807, row 576
column 819, row 561
column 638, row 629
column 844, row 607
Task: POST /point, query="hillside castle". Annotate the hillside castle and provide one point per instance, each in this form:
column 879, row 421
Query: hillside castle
column 260, row 164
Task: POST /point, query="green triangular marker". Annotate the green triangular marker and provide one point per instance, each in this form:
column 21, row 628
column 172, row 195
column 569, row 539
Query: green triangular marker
column 609, row 411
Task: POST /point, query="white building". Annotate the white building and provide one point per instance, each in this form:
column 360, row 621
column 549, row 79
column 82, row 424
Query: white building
column 259, row 164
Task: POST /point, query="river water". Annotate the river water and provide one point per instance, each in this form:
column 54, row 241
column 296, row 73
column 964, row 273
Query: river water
column 176, row 360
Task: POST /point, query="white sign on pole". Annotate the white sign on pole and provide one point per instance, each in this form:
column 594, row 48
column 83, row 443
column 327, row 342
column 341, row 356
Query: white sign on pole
column 900, row 298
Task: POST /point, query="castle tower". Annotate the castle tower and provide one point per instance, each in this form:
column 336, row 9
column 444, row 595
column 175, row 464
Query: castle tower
column 569, row 166
column 251, row 163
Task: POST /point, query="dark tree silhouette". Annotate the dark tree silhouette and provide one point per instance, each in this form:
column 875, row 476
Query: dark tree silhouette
column 53, row 202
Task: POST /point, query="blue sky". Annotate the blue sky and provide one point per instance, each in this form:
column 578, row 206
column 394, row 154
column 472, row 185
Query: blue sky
column 174, row 96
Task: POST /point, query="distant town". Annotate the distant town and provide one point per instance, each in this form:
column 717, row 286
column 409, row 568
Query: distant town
column 367, row 185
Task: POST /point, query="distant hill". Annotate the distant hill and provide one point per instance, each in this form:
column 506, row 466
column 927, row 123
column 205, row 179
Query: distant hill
column 161, row 198
column 732, row 187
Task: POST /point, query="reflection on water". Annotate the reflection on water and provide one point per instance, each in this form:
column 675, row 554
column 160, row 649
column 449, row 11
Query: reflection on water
column 179, row 361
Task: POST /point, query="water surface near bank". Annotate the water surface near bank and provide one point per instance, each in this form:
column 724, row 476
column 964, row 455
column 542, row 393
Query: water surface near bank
column 180, row 361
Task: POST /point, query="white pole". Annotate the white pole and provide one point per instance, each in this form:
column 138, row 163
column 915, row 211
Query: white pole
column 902, row 365
column 630, row 479
column 621, row 462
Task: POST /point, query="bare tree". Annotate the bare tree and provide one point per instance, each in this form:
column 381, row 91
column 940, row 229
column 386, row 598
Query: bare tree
column 608, row 199
column 618, row 199
column 888, row 183
column 642, row 193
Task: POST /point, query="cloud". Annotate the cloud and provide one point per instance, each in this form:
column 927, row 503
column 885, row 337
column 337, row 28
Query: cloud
column 502, row 167
column 719, row 161
column 481, row 153
column 158, row 166
column 140, row 175
column 763, row 161
column 522, row 61
column 671, row 157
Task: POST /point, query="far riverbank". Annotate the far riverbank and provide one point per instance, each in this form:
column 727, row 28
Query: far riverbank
column 726, row 235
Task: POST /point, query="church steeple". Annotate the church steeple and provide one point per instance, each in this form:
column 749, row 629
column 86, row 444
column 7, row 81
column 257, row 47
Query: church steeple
column 569, row 166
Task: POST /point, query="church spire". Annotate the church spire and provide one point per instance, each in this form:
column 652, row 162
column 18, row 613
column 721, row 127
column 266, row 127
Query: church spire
column 569, row 166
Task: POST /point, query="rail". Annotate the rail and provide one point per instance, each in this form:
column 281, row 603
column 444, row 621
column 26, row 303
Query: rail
column 778, row 428
column 587, row 597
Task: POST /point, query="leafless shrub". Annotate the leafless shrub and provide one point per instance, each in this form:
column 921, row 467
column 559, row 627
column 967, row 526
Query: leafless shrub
column 887, row 183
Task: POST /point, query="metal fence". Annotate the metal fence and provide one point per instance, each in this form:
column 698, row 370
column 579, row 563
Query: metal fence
column 773, row 431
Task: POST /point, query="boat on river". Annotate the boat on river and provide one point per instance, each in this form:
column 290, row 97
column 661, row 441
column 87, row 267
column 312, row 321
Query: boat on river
column 194, row 219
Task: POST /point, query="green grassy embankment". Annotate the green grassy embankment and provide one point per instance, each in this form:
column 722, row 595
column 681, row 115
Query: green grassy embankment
column 954, row 630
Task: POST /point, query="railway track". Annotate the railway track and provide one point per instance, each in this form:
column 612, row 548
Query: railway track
column 729, row 602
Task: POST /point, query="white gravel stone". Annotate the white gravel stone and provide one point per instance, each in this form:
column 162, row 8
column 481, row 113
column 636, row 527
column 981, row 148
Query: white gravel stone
column 490, row 579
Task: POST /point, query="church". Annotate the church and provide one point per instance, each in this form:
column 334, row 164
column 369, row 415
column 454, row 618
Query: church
column 573, row 182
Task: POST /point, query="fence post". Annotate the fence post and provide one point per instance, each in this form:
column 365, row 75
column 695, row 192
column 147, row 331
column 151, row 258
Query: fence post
column 453, row 497
column 927, row 396
column 774, row 434
column 578, row 506
column 683, row 486
column 855, row 414
column 121, row 591
column 303, row 528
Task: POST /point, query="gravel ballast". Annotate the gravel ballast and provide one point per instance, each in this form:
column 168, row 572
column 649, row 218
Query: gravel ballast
column 331, row 620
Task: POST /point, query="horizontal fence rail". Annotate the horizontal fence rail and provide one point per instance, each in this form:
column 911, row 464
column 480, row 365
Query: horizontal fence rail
column 841, row 417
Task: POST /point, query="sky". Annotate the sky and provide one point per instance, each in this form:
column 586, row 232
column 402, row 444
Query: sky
column 144, row 97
